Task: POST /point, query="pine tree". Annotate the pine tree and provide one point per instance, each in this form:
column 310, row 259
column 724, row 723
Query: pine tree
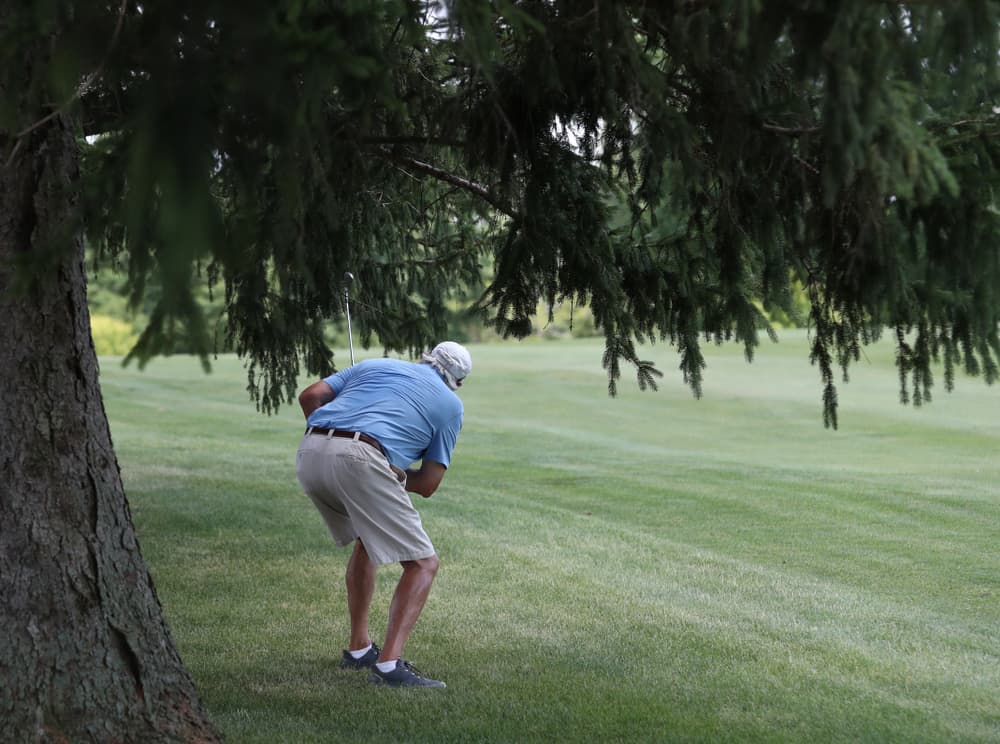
column 668, row 164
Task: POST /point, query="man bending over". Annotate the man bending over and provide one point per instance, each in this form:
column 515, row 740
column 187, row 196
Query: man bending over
column 365, row 426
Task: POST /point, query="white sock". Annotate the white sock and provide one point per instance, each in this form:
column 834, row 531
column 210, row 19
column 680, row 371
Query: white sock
column 386, row 666
column 361, row 652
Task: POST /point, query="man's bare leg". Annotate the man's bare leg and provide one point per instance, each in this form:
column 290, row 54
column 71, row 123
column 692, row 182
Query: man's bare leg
column 407, row 603
column 360, row 588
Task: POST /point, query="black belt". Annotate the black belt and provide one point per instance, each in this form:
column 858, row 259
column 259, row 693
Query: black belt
column 360, row 436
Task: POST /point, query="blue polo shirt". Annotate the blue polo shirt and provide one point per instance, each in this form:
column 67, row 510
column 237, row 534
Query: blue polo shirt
column 405, row 406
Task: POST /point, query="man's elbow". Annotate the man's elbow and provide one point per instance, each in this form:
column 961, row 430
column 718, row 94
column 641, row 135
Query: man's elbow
column 307, row 402
column 315, row 396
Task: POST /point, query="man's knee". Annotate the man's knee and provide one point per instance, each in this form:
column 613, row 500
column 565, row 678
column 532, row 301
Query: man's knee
column 425, row 565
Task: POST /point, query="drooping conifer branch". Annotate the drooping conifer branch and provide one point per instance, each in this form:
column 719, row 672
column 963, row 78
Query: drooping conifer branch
column 447, row 177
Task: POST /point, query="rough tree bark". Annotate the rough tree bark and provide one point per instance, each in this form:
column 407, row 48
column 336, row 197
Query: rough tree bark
column 85, row 653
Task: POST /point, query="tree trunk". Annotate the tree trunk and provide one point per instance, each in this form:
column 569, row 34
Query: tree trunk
column 85, row 653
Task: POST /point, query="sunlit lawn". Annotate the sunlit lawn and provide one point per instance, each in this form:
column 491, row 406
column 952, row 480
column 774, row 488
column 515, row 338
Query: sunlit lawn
column 645, row 568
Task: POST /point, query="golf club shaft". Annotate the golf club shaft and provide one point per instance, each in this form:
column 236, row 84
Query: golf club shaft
column 348, row 278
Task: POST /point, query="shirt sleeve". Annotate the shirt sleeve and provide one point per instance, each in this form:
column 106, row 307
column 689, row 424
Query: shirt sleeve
column 338, row 380
column 443, row 442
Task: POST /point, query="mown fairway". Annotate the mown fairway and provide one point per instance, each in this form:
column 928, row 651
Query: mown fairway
column 646, row 568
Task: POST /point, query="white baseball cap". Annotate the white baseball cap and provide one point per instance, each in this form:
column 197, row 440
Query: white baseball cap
column 452, row 360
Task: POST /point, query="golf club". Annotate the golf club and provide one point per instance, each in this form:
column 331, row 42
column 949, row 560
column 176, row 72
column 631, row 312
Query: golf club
column 348, row 280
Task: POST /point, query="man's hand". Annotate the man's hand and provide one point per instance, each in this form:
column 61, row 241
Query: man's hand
column 315, row 396
column 425, row 480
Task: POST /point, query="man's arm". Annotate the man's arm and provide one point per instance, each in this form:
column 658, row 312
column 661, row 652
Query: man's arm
column 315, row 396
column 425, row 480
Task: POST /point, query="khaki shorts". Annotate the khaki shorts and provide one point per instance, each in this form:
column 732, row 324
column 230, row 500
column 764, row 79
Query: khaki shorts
column 360, row 496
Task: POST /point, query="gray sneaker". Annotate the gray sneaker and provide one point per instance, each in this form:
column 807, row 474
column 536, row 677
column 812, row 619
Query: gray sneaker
column 404, row 675
column 365, row 662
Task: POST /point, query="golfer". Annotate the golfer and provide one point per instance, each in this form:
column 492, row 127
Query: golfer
column 365, row 426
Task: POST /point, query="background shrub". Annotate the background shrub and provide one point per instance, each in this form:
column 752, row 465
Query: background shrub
column 112, row 337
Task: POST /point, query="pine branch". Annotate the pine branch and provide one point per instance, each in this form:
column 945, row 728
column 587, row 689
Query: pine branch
column 82, row 88
column 938, row 126
column 411, row 140
column 792, row 131
column 442, row 175
column 443, row 259
column 806, row 164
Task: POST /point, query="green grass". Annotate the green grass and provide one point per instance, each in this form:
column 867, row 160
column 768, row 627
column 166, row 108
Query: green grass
column 645, row 568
